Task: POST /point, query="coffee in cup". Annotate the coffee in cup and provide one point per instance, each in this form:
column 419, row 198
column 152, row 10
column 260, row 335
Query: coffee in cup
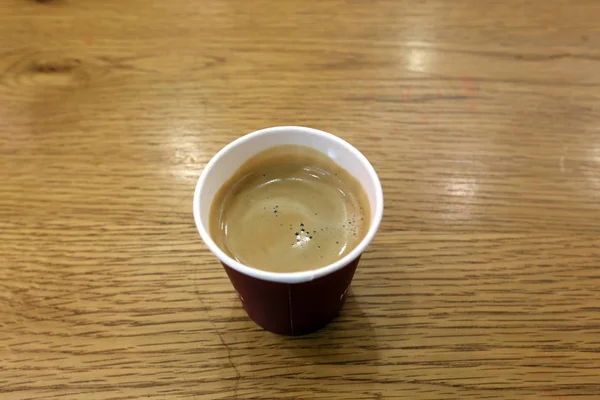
column 289, row 208
column 244, row 219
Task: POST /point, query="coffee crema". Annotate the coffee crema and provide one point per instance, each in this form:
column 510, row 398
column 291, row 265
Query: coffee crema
column 288, row 209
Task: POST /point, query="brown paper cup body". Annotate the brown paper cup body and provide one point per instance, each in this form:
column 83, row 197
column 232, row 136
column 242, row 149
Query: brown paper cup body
column 293, row 308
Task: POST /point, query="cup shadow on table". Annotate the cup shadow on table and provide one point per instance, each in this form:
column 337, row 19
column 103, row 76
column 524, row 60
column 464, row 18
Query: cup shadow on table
column 349, row 338
column 343, row 356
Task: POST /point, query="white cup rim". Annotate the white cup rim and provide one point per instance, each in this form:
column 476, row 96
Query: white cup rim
column 289, row 277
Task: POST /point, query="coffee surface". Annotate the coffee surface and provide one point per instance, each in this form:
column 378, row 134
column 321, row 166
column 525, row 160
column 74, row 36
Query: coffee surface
column 287, row 209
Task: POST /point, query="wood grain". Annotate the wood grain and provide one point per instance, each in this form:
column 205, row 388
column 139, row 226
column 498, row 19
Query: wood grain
column 481, row 118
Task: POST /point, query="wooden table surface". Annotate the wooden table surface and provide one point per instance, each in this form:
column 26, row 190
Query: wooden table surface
column 481, row 117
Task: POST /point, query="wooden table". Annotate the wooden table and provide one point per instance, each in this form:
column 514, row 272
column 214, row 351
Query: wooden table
column 481, row 117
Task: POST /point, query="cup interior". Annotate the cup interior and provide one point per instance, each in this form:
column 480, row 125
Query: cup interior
column 226, row 162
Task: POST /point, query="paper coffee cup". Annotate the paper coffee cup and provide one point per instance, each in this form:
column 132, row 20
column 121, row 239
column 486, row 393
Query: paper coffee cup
column 292, row 303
